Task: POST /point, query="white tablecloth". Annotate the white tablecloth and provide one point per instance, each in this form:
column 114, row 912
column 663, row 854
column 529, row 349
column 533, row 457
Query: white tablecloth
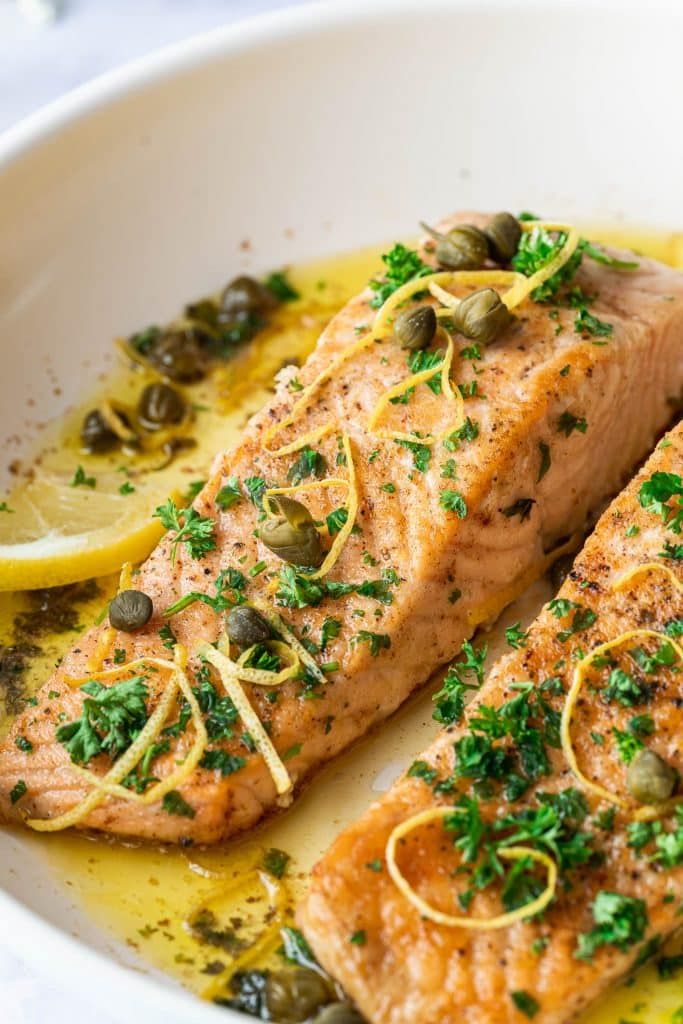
column 37, row 64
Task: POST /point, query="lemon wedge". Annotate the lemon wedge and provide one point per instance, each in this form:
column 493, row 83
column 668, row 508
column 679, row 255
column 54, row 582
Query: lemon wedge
column 53, row 532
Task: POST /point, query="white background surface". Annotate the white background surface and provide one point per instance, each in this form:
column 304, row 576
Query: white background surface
column 38, row 64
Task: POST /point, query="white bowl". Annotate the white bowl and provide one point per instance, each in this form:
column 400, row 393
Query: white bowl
column 305, row 132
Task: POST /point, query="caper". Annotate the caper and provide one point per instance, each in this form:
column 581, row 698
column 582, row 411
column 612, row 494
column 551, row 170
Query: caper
column 178, row 355
column 415, row 328
column 463, row 248
column 503, row 233
column 338, row 1013
column 560, row 569
column 245, row 296
column 292, row 535
column 130, row 610
column 96, row 434
column 295, row 995
column 247, row 627
column 482, row 316
column 205, row 311
column 160, row 405
column 650, row 779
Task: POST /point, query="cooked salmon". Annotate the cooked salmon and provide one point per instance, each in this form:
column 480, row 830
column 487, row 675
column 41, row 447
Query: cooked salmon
column 620, row 859
column 560, row 409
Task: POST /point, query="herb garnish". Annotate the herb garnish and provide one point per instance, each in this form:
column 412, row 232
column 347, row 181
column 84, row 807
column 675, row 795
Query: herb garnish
column 193, row 530
column 402, row 264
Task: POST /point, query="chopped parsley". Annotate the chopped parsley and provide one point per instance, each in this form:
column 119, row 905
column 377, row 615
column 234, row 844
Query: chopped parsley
column 422, row 453
column 174, row 803
column 376, row 641
column 81, row 480
column 336, row 520
column 111, row 719
column 228, row 588
column 544, row 463
column 309, row 464
column 331, row 629
column 515, row 636
column 275, row 862
column 18, row 790
column 280, row 287
column 620, row 921
column 453, row 501
column 450, row 699
column 229, row 494
column 587, row 324
column 190, row 528
column 525, row 1003
column 221, row 761
column 568, row 423
column 402, row 265
column 662, row 495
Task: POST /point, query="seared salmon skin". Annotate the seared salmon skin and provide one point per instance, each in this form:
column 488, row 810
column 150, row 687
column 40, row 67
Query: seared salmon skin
column 435, row 482
column 571, row 754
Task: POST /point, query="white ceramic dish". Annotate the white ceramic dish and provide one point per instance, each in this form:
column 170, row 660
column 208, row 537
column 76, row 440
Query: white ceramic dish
column 309, row 131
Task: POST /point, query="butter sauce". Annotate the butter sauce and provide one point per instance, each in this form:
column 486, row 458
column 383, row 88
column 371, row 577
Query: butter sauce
column 153, row 898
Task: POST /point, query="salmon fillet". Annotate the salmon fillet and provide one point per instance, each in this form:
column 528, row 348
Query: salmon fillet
column 409, row 968
column 557, row 422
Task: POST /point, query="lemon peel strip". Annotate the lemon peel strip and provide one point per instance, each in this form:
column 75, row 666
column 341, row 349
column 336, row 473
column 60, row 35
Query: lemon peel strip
column 524, row 287
column 305, row 397
column 513, row 853
column 260, row 677
column 410, row 382
column 229, row 673
column 179, row 774
column 570, row 703
column 281, row 627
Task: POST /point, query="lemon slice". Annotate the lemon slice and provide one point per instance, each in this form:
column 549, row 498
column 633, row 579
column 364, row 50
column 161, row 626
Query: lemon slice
column 55, row 533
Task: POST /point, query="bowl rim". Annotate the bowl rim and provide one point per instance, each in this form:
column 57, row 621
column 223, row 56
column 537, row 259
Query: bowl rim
column 35, row 940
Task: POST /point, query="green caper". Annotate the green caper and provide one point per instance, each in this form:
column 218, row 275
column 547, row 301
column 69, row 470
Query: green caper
column 292, row 535
column 160, row 405
column 560, row 569
column 178, row 355
column 205, row 311
column 96, row 434
column 130, row 610
column 245, row 296
column 482, row 316
column 650, row 779
column 295, row 995
column 503, row 233
column 247, row 627
column 338, row 1013
column 463, row 248
column 415, row 328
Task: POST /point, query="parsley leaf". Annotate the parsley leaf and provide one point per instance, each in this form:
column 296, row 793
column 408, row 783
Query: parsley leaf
column 620, row 921
column 402, row 264
column 656, row 496
column 376, row 641
column 567, row 423
column 193, row 530
column 221, row 761
column 229, row 494
column 310, row 463
column 453, row 501
column 174, row 803
column 111, row 718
